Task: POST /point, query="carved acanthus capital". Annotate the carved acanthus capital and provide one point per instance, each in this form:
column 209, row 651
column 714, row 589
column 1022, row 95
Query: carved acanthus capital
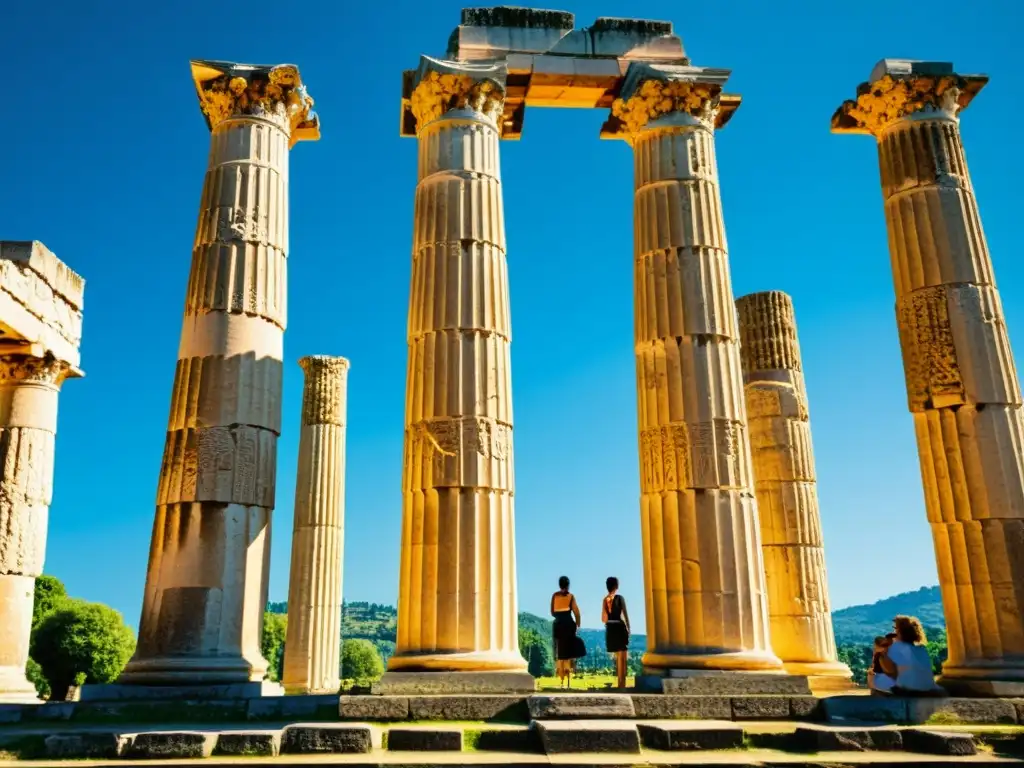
column 27, row 369
column 275, row 92
column 323, row 396
column 441, row 86
column 900, row 89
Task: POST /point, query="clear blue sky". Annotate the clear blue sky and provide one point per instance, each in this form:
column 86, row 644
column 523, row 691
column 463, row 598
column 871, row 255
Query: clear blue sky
column 103, row 152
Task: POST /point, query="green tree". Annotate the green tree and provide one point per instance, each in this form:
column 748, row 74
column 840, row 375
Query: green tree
column 275, row 627
column 937, row 648
column 49, row 593
column 81, row 642
column 360, row 661
column 34, row 673
column 539, row 659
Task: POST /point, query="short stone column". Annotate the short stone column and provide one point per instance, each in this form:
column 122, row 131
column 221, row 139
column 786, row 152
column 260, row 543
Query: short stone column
column 312, row 651
column 703, row 572
column 962, row 382
column 787, row 498
column 28, row 426
column 206, row 586
column 457, row 588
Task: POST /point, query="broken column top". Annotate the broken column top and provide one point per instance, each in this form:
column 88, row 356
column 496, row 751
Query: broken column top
column 899, row 88
column 768, row 339
column 41, row 302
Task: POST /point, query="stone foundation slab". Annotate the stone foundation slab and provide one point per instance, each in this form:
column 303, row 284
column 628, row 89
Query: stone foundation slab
column 426, row 683
column 121, row 692
column 425, row 740
column 562, row 737
column 329, row 739
column 581, row 707
column 691, row 736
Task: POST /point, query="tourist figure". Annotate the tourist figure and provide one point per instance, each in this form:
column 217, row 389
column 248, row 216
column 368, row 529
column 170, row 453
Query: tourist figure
column 878, row 680
column 907, row 660
column 567, row 620
column 616, row 627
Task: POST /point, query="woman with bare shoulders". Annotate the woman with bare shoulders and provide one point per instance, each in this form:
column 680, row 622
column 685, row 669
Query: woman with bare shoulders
column 566, row 621
column 616, row 627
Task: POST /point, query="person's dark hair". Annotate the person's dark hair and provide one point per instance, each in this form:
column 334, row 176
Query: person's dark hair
column 909, row 630
column 611, row 583
column 563, row 582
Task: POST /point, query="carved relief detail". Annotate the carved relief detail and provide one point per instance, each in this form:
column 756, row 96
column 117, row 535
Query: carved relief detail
column 889, row 99
column 25, row 369
column 439, row 92
column 276, row 93
column 323, row 398
column 930, row 362
column 656, row 98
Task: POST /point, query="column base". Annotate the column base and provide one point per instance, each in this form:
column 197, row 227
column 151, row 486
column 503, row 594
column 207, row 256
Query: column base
column 430, row 683
column 995, row 679
column 15, row 691
column 190, row 671
column 738, row 661
column 304, row 689
column 823, row 676
column 122, row 692
column 474, row 661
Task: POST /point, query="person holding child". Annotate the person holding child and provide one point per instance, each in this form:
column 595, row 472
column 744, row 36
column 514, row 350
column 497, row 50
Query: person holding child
column 901, row 665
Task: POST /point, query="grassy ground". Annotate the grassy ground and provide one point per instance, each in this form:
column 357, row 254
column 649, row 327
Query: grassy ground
column 582, row 682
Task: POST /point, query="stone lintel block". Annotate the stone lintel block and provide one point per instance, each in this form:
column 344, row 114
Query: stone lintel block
column 691, row 736
column 171, row 745
column 697, row 683
column 938, row 743
column 326, row 738
column 583, row 736
column 35, row 256
column 469, row 707
column 668, row 706
column 74, row 746
column 358, row 707
column 909, row 67
column 248, row 743
column 425, row 739
column 955, row 348
column 580, row 707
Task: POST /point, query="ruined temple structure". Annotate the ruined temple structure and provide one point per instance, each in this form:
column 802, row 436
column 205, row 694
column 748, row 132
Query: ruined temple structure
column 40, row 333
column 962, row 385
column 704, row 578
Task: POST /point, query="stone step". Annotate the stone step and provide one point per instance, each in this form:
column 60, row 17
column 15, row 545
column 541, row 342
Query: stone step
column 913, row 711
column 698, row 683
column 584, row 706
column 561, row 737
column 424, row 740
column 679, row 736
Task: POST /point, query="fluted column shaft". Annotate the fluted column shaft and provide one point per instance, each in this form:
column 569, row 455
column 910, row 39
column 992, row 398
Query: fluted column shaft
column 312, row 657
column 787, row 498
column 457, row 595
column 206, row 586
column 28, row 424
column 703, row 572
column 961, row 378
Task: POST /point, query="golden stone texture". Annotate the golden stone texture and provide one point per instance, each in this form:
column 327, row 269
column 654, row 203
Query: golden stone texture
column 312, row 656
column 703, row 571
column 787, row 499
column 206, row 585
column 457, row 588
column 962, row 389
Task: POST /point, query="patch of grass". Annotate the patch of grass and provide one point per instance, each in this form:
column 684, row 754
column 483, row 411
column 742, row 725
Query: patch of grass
column 943, row 717
column 24, row 748
column 470, row 740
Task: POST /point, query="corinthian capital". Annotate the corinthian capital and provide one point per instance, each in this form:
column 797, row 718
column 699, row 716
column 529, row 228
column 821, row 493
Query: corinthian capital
column 27, row 369
column 441, row 86
column 900, row 88
column 654, row 91
column 229, row 90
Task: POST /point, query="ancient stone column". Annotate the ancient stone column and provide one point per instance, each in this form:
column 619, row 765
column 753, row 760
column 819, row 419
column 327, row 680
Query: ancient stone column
column 787, row 499
column 41, row 318
column 703, row 569
column 457, row 588
column 962, row 383
column 206, row 587
column 312, row 655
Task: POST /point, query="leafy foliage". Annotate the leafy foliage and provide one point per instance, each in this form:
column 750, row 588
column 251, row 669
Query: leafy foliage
column 35, row 675
column 540, row 662
column 49, row 593
column 81, row 642
column 275, row 627
column 360, row 661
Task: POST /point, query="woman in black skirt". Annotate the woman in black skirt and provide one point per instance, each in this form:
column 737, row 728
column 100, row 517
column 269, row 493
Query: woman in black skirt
column 567, row 620
column 616, row 627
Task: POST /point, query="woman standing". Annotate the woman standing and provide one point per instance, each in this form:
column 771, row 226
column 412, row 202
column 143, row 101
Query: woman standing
column 616, row 627
column 567, row 621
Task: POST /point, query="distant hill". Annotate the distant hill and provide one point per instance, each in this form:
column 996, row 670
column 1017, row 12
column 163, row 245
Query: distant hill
column 860, row 623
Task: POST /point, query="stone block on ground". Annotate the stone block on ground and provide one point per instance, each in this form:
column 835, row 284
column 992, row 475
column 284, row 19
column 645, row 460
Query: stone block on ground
column 160, row 712
column 826, row 739
column 439, row 683
column 760, row 707
column 938, row 743
column 688, row 736
column 318, row 706
column 171, row 745
column 248, row 743
column 425, row 739
column 326, row 738
column 864, row 709
column 52, row 711
column 517, row 739
column 805, row 707
column 581, row 706
column 74, row 746
column 11, row 713
column 659, row 706
column 374, row 708
column 698, row 683
column 952, row 710
column 121, row 692
column 497, row 708
column 559, row 737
